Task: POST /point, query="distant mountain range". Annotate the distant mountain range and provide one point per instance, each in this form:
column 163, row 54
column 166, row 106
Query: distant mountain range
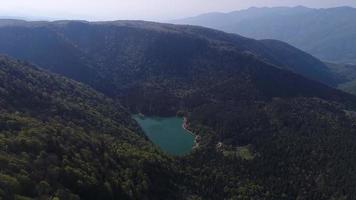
column 329, row 34
column 270, row 124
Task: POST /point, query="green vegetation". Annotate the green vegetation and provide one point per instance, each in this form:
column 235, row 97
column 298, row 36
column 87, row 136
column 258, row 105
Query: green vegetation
column 349, row 87
column 347, row 74
column 62, row 140
column 107, row 55
column 263, row 132
column 243, row 152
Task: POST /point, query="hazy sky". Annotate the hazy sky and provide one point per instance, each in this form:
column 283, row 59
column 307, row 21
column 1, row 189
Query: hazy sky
column 142, row 9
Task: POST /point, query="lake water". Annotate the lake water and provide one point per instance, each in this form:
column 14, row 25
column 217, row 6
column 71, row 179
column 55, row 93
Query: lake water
column 167, row 133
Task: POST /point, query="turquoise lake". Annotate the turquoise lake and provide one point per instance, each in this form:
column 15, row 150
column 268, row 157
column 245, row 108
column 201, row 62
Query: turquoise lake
column 167, row 133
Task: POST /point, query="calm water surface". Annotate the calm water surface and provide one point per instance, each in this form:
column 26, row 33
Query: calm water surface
column 167, row 133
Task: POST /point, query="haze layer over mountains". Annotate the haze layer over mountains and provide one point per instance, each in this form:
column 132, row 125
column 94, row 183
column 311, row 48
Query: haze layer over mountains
column 329, row 34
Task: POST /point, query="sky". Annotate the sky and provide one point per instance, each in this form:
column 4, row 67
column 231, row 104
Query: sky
column 154, row 10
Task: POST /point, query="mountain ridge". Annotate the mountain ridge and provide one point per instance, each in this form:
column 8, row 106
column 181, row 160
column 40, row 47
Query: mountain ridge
column 256, row 121
column 52, row 31
column 312, row 30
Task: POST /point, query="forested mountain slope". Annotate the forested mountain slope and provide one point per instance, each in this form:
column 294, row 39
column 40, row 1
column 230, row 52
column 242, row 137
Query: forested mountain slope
column 346, row 72
column 80, row 49
column 263, row 132
column 300, row 148
column 329, row 34
column 62, row 139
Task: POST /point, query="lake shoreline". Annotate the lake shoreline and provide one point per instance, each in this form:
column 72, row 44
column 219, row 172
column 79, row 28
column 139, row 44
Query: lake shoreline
column 185, row 126
column 171, row 134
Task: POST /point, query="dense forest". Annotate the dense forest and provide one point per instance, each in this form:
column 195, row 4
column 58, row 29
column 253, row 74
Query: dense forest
column 89, row 51
column 265, row 131
column 62, row 140
column 299, row 148
column 346, row 72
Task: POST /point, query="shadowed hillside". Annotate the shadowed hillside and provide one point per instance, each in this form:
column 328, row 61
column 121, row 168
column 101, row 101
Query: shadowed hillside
column 79, row 49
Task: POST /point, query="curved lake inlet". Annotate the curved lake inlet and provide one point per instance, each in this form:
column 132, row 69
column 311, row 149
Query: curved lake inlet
column 167, row 133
